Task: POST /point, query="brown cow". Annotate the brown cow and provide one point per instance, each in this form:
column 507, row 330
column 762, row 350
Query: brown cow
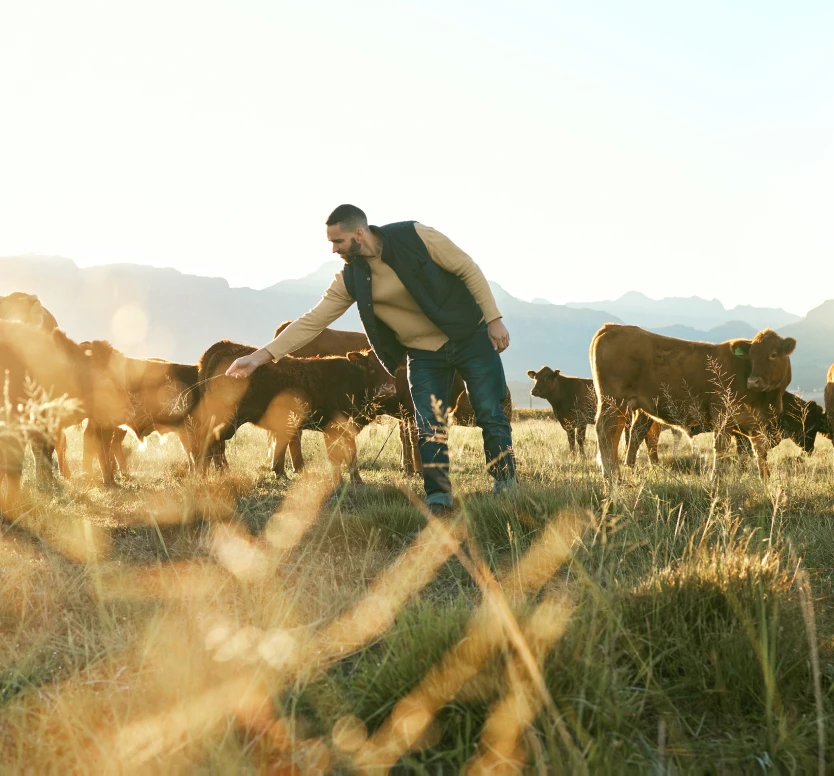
column 27, row 308
column 829, row 400
column 574, row 405
column 159, row 391
column 736, row 384
column 336, row 394
column 60, row 367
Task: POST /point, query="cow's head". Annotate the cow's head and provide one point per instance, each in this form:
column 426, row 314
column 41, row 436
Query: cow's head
column 769, row 357
column 379, row 383
column 26, row 308
column 803, row 420
column 546, row 383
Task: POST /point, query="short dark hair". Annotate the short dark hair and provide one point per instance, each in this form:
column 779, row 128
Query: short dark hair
column 348, row 216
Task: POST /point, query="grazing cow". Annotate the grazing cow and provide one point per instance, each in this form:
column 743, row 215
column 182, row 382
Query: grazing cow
column 27, row 308
column 61, row 367
column 574, row 405
column 736, row 384
column 335, row 394
column 800, row 422
column 158, row 390
column 829, row 401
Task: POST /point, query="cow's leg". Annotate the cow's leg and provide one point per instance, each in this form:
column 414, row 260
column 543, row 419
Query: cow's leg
column 12, row 453
column 353, row 466
column 278, row 463
column 277, row 456
column 42, row 449
column 761, row 447
column 185, row 432
column 743, row 445
column 676, row 439
column 216, row 453
column 407, row 454
column 90, row 445
column 652, row 440
column 105, row 455
column 638, row 431
column 340, row 443
column 580, row 432
column 61, row 453
column 571, row 431
column 610, row 423
column 720, row 446
column 296, row 456
column 117, row 449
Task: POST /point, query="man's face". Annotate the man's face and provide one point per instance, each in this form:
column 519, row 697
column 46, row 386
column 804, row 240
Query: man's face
column 346, row 244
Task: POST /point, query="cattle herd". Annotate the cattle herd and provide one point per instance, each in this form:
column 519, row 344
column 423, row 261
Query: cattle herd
column 642, row 382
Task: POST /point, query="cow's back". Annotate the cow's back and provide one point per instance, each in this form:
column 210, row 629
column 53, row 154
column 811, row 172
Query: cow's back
column 651, row 370
column 330, row 342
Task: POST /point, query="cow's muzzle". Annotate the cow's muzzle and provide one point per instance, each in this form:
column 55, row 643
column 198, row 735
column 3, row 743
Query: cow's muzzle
column 757, row 384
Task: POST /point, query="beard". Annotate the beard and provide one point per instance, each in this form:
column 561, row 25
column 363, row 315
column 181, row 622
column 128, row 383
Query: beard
column 352, row 251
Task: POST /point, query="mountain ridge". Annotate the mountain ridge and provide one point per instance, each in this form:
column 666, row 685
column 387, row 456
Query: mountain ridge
column 177, row 316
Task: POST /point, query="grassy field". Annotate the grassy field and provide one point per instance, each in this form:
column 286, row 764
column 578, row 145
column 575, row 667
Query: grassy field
column 243, row 625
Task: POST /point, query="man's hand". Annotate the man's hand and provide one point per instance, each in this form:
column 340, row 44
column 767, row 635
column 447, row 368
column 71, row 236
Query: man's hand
column 498, row 335
column 245, row 365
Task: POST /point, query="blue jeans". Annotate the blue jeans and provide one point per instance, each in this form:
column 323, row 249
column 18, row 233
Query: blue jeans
column 430, row 374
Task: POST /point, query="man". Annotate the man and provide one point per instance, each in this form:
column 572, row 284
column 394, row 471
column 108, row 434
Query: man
column 422, row 297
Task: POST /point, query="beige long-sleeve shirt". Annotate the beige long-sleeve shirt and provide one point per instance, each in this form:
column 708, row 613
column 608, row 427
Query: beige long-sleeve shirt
column 393, row 304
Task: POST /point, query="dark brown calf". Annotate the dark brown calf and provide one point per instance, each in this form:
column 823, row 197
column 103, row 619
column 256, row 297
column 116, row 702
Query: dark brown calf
column 573, row 401
column 59, row 366
column 159, row 392
column 829, row 401
column 335, row 394
column 731, row 385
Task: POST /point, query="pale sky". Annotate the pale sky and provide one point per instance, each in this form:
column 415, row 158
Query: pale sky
column 575, row 150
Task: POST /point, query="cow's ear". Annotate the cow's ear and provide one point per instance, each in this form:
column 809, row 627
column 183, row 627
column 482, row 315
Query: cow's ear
column 531, row 374
column 355, row 356
column 788, row 345
column 741, row 348
column 556, row 372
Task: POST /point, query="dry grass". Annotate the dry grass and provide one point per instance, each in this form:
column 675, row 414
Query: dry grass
column 239, row 624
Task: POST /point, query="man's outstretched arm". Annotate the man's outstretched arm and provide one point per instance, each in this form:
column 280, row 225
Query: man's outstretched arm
column 333, row 304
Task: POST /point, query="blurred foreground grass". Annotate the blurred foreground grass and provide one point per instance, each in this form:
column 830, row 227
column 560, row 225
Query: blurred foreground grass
column 239, row 624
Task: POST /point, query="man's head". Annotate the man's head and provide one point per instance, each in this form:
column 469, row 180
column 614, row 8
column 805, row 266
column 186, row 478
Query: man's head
column 347, row 230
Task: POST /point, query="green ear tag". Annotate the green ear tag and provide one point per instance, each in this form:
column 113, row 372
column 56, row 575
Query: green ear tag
column 739, row 351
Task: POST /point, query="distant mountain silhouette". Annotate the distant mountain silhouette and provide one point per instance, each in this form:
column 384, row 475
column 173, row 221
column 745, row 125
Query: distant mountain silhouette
column 691, row 311
column 721, row 333
column 150, row 311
